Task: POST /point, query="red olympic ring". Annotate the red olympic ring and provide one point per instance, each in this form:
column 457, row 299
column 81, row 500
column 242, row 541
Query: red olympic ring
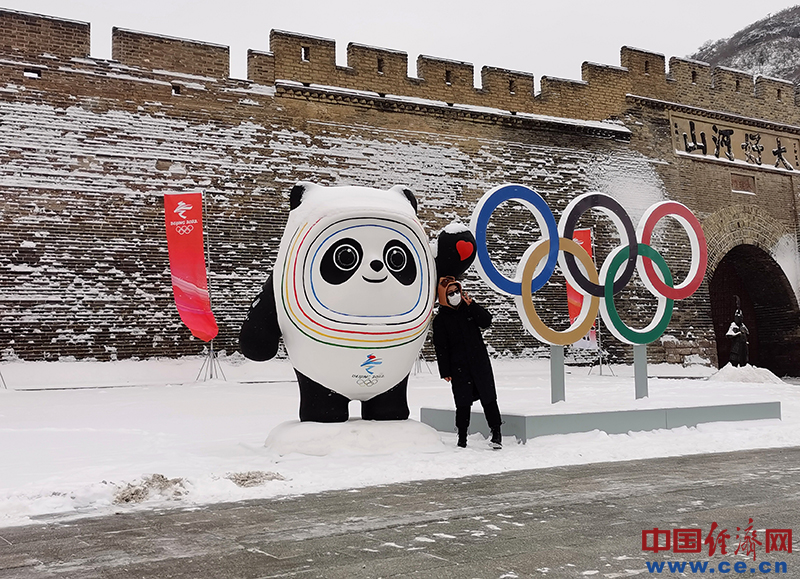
column 697, row 240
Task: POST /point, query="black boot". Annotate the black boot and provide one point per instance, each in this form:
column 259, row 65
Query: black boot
column 497, row 439
column 462, row 438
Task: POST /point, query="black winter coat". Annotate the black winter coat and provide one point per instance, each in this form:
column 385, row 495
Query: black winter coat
column 461, row 352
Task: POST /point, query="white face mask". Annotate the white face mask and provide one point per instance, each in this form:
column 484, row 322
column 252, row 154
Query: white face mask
column 454, row 299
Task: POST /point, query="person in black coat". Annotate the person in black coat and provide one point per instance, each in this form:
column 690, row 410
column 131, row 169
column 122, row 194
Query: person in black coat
column 738, row 333
column 462, row 357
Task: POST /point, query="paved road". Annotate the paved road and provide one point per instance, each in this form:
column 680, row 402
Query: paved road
column 577, row 521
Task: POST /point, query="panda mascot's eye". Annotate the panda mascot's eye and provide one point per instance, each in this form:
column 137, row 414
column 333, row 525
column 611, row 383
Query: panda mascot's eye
column 341, row 261
column 399, row 262
column 345, row 257
column 395, row 259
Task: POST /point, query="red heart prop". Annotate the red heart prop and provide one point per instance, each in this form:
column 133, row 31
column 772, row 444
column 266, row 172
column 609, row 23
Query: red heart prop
column 464, row 249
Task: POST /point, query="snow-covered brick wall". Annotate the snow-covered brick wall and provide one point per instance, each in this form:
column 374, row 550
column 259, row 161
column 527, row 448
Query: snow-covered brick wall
column 83, row 252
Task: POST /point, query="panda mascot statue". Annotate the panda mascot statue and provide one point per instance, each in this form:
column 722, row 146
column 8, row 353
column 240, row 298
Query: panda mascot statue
column 352, row 294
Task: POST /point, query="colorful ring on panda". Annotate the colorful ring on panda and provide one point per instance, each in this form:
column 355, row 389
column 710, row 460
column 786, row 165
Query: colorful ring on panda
column 609, row 311
column 588, row 314
column 566, row 228
column 697, row 241
column 480, row 221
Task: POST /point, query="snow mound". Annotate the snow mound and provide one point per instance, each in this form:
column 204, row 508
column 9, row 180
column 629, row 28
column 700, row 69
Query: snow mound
column 746, row 374
column 155, row 485
column 353, row 437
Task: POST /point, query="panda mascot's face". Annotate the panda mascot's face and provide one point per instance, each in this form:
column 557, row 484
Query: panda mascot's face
column 368, row 267
column 354, row 285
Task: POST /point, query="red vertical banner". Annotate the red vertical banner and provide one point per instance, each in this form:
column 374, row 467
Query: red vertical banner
column 184, row 221
column 582, row 237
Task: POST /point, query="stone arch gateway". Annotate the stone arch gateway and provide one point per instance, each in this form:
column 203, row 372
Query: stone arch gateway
column 745, row 246
column 768, row 303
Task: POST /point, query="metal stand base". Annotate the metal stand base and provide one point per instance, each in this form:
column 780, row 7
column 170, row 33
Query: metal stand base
column 640, row 370
column 211, row 368
column 601, row 361
column 557, row 374
column 418, row 363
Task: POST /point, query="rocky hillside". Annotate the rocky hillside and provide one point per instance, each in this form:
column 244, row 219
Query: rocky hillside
column 769, row 47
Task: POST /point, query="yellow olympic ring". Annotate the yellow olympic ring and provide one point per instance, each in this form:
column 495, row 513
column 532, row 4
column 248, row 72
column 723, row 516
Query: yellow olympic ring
column 591, row 304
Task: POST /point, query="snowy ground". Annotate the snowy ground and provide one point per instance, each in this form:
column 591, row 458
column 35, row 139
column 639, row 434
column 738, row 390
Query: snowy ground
column 91, row 438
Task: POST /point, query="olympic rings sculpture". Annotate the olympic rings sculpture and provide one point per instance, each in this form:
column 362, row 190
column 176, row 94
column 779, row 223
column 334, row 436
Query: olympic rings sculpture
column 598, row 289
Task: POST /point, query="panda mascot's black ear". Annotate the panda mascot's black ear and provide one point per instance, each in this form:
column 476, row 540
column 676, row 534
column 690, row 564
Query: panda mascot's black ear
column 296, row 195
column 411, row 199
column 455, row 251
column 408, row 194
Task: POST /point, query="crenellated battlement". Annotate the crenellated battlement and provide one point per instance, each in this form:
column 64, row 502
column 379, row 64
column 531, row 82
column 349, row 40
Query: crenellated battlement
column 601, row 93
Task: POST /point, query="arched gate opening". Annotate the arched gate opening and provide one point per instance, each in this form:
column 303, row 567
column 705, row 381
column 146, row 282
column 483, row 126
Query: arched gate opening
column 769, row 307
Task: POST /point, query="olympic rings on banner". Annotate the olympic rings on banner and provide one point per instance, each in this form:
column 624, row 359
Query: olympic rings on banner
column 184, row 229
column 579, row 270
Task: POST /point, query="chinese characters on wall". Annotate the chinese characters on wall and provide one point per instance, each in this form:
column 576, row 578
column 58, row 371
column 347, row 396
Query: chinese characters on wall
column 735, row 143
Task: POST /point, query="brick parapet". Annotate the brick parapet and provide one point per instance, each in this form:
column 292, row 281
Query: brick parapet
column 261, row 67
column 33, row 35
column 599, row 95
column 155, row 52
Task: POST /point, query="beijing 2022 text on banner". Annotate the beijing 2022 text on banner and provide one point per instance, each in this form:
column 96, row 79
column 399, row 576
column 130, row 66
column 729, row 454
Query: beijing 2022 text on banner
column 184, row 221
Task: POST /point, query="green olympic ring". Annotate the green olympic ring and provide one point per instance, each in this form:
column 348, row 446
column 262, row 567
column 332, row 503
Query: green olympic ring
column 609, row 311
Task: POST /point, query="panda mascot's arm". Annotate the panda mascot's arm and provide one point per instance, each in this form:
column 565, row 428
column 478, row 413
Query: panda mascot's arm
column 260, row 332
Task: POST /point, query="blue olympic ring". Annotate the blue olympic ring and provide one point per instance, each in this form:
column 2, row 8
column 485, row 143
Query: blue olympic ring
column 486, row 207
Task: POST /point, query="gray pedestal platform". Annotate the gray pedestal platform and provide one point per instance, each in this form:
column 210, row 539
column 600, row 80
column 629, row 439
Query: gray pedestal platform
column 525, row 427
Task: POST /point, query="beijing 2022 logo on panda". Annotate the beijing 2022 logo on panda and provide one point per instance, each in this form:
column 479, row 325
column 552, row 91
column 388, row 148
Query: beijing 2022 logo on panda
column 370, row 378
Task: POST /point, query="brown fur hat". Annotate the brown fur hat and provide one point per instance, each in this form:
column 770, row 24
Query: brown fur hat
column 444, row 284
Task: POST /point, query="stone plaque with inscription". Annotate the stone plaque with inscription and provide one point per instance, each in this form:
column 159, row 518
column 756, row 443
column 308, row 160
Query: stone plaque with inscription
column 743, row 183
column 710, row 139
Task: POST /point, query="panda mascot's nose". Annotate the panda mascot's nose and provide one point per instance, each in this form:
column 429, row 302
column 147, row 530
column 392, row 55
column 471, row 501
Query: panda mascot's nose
column 376, row 264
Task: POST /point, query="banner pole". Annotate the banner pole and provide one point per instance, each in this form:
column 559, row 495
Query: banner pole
column 212, row 366
column 207, row 246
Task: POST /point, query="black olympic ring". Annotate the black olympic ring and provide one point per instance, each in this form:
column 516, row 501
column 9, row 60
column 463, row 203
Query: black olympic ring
column 620, row 217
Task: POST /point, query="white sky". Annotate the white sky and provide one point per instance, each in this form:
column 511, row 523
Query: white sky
column 548, row 38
